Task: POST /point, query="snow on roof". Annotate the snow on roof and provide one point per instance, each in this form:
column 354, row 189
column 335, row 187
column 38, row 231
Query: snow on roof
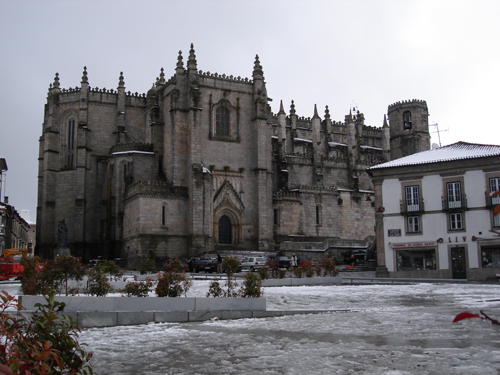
column 371, row 148
column 333, row 144
column 301, row 140
column 455, row 151
column 133, row 152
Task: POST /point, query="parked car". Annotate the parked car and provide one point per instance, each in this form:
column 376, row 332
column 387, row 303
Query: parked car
column 95, row 262
column 253, row 263
column 300, row 257
column 283, row 261
column 351, row 256
column 206, row 265
column 120, row 262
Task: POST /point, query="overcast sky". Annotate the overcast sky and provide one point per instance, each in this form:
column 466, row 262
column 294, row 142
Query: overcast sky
column 337, row 53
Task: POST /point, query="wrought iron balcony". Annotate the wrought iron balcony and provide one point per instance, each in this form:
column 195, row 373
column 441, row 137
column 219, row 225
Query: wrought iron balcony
column 454, row 203
column 492, row 201
column 413, row 208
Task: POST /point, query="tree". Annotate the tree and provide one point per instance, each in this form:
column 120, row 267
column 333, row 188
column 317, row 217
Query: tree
column 230, row 266
column 67, row 267
column 251, row 286
column 173, row 282
column 37, row 277
column 98, row 284
column 45, row 343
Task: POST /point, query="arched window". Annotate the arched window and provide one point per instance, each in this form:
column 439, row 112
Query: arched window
column 407, row 120
column 225, row 230
column 163, row 215
column 70, row 142
column 222, row 121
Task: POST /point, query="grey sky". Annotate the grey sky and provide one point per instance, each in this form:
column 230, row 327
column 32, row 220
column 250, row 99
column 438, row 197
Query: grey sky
column 336, row 53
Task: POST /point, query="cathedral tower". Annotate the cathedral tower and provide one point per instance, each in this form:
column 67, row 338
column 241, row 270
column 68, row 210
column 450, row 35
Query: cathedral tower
column 409, row 128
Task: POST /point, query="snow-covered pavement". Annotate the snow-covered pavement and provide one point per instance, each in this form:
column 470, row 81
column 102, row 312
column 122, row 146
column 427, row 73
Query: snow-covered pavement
column 389, row 329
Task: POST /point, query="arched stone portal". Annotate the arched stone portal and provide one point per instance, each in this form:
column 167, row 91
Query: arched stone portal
column 227, row 227
column 225, row 236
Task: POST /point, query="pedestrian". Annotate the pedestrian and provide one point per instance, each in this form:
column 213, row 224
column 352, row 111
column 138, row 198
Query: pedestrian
column 219, row 263
column 294, row 261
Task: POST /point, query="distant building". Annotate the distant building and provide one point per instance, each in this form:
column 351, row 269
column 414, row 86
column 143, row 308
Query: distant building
column 14, row 230
column 435, row 213
column 25, row 214
column 200, row 163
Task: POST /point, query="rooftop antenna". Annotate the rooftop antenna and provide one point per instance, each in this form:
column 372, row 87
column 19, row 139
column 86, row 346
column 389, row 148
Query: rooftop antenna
column 438, row 131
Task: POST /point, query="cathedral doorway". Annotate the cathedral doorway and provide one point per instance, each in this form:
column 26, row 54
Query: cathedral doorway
column 225, row 230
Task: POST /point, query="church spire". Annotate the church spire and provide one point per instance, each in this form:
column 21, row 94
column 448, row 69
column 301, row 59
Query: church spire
column 315, row 111
column 257, row 69
column 292, row 108
column 55, row 85
column 180, row 64
column 84, row 76
column 385, row 125
column 162, row 77
column 121, row 82
column 191, row 64
column 282, row 110
column 327, row 113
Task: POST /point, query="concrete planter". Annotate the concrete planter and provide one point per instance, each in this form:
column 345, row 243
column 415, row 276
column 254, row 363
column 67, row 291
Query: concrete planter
column 303, row 281
column 141, row 304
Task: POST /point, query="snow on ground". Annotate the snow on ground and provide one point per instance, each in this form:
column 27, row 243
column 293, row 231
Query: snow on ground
column 387, row 329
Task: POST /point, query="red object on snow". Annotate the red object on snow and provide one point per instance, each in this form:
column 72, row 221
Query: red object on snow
column 466, row 315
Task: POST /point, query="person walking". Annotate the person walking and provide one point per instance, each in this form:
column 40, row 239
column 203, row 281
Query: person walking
column 294, row 261
column 219, row 263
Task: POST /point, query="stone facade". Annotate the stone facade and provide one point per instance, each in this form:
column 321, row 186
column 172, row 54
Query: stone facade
column 201, row 163
column 14, row 230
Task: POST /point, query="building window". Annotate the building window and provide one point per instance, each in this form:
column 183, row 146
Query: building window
column 222, row 121
column 456, row 222
column 276, row 216
column 490, row 256
column 494, row 200
column 318, row 215
column 416, row 260
column 495, row 186
column 496, row 221
column 163, row 215
column 407, row 120
column 454, row 192
column 70, row 142
column 413, row 224
column 412, row 199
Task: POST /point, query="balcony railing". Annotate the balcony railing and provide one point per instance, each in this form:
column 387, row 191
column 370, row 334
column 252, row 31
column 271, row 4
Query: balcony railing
column 455, row 202
column 492, row 200
column 415, row 207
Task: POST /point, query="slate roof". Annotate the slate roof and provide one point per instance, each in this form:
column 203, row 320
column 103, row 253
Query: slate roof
column 455, row 151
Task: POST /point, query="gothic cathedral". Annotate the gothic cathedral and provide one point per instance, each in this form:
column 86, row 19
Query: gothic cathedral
column 201, row 164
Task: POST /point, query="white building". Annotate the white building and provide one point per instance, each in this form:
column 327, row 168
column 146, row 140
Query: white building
column 434, row 214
